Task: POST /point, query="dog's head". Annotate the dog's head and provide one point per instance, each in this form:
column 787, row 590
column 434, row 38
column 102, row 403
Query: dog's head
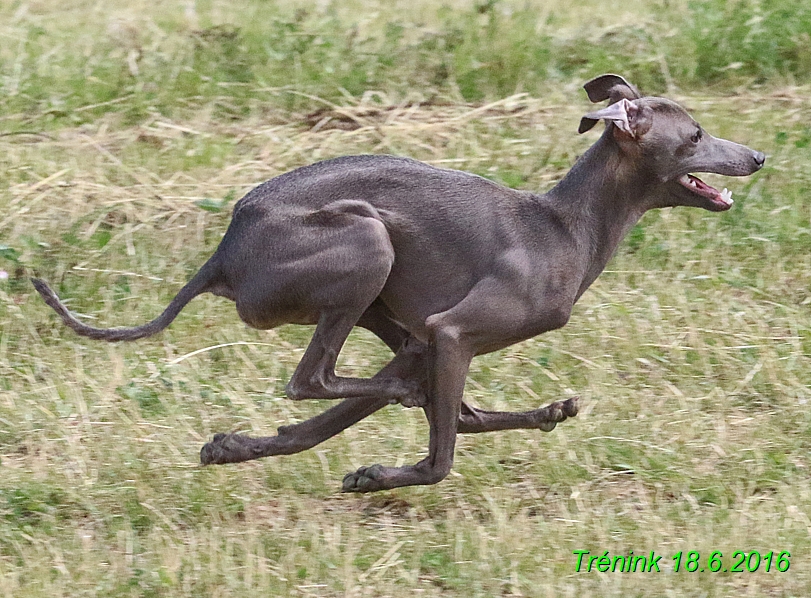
column 664, row 140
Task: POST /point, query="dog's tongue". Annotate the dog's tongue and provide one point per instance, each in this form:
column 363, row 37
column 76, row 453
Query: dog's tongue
column 696, row 185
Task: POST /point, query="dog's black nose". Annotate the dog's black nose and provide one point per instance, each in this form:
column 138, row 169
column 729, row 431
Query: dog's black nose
column 760, row 158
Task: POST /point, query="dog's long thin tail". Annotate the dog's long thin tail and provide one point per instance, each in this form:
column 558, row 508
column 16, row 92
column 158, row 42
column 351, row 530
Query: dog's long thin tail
column 207, row 276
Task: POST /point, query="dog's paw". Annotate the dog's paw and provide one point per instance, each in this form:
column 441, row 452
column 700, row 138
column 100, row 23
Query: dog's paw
column 407, row 393
column 417, row 399
column 416, row 395
column 571, row 407
column 365, row 479
column 225, row 448
column 551, row 415
column 547, row 426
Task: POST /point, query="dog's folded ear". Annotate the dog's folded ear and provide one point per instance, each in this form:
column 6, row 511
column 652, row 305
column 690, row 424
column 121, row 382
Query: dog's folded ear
column 607, row 87
column 610, row 87
column 629, row 117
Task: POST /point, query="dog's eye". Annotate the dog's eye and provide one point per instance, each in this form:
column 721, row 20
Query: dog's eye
column 696, row 137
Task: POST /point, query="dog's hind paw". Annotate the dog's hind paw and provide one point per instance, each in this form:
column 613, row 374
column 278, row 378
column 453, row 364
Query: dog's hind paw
column 365, row 479
column 417, row 399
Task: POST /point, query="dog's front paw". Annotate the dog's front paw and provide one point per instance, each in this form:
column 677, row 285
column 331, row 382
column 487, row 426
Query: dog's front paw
column 551, row 415
column 365, row 479
column 226, row 448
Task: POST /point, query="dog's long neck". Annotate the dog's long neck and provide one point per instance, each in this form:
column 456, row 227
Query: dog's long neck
column 600, row 199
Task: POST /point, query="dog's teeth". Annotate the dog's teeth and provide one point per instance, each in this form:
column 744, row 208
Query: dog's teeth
column 726, row 196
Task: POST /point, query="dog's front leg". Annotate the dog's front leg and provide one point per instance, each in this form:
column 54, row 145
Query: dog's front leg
column 449, row 360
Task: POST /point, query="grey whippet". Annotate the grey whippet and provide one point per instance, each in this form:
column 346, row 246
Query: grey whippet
column 442, row 266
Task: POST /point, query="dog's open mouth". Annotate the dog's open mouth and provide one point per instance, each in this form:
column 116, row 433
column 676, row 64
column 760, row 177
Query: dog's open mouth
column 720, row 199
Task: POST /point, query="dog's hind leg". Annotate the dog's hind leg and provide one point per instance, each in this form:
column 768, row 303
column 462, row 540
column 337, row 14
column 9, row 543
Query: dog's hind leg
column 408, row 364
column 235, row 448
column 315, row 376
column 325, row 268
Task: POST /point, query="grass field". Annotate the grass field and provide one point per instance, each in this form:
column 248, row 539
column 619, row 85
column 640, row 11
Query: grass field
column 128, row 131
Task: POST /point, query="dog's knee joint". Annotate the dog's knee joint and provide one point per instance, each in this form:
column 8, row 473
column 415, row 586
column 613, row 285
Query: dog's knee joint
column 437, row 474
column 295, row 391
column 433, row 474
column 314, row 387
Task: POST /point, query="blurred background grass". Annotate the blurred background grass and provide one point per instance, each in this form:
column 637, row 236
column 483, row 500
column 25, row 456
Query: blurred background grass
column 133, row 58
column 127, row 131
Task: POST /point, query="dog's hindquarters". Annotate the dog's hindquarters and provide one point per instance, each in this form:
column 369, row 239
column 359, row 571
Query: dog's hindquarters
column 291, row 266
